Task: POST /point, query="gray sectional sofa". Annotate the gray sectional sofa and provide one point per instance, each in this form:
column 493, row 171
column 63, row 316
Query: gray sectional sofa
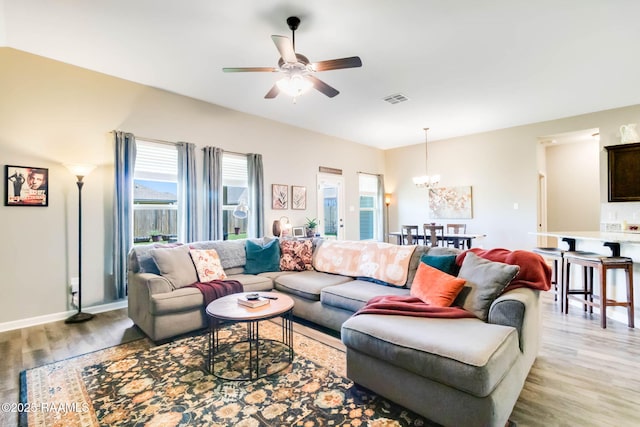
column 462, row 371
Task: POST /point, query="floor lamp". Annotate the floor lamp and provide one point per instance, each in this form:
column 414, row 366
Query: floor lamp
column 387, row 202
column 80, row 171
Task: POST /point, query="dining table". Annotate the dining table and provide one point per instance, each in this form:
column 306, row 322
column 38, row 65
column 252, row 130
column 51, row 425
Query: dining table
column 459, row 240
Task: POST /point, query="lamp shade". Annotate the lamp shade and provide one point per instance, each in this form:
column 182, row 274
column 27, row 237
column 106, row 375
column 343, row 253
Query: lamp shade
column 80, row 170
column 387, row 199
column 241, row 211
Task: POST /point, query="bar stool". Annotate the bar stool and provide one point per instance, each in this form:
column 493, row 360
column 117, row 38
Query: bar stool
column 591, row 261
column 556, row 255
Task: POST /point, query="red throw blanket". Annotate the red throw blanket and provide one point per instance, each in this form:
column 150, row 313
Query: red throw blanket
column 217, row 289
column 534, row 272
column 410, row 306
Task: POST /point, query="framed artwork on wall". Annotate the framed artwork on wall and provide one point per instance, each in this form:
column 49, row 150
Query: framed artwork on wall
column 298, row 197
column 26, row 186
column 450, row 203
column 279, row 196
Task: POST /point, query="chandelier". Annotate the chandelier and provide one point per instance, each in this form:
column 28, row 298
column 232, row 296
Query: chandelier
column 426, row 181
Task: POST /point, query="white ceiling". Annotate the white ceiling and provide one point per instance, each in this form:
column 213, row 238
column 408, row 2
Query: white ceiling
column 467, row 66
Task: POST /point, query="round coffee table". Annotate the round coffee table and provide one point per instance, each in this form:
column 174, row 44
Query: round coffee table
column 252, row 357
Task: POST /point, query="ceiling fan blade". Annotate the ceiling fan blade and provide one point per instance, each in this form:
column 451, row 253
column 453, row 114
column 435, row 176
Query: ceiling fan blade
column 336, row 64
column 272, row 93
column 249, row 69
column 285, row 47
column 323, row 87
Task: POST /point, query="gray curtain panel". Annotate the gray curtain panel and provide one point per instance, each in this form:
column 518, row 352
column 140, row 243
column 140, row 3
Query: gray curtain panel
column 213, row 193
column 187, row 200
column 256, row 195
column 381, row 209
column 124, row 163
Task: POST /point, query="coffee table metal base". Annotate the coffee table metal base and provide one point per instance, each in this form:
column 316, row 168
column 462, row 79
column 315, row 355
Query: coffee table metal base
column 253, row 357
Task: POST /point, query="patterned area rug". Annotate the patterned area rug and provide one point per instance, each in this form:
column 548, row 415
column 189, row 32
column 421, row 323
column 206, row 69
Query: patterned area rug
column 168, row 385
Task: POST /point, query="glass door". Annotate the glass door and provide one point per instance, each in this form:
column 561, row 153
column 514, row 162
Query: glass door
column 331, row 206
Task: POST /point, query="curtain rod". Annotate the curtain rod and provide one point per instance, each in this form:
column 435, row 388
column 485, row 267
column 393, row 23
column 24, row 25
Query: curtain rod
column 234, row 152
column 159, row 141
column 162, row 141
column 368, row 173
column 230, row 152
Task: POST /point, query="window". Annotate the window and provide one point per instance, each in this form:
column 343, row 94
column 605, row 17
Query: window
column 155, row 193
column 235, row 196
column 370, row 214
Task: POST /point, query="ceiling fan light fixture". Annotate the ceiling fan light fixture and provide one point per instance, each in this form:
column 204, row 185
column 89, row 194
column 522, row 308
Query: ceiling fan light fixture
column 294, row 85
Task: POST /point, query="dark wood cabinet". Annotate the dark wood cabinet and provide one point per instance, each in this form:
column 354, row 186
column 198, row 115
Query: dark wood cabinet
column 624, row 172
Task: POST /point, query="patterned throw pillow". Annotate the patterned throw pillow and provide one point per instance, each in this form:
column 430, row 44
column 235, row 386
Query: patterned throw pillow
column 207, row 264
column 296, row 255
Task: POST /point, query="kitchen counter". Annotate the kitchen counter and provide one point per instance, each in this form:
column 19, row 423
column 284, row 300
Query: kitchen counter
column 602, row 236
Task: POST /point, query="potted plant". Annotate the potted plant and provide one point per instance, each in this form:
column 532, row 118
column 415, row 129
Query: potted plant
column 156, row 236
column 310, row 226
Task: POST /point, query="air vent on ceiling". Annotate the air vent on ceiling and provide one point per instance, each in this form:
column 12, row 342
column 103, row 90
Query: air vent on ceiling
column 395, row 98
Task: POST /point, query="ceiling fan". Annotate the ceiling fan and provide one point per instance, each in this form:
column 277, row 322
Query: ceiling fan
column 298, row 71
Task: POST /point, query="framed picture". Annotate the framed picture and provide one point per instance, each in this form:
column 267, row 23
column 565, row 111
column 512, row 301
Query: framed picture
column 279, row 196
column 26, row 186
column 298, row 197
column 450, row 203
column 299, row 232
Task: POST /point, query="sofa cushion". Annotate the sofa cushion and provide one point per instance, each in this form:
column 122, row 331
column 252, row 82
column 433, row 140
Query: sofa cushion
column 183, row 299
column 353, row 295
column 232, row 253
column 141, row 261
column 207, row 265
column 261, row 258
column 176, row 265
column 308, row 284
column 466, row 354
column 435, row 287
column 251, row 282
column 296, row 255
column 485, row 281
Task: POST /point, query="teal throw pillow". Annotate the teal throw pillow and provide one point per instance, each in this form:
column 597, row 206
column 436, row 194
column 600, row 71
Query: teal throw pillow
column 262, row 258
column 446, row 263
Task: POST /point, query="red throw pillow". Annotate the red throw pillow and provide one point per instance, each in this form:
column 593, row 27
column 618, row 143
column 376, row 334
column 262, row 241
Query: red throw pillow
column 435, row 287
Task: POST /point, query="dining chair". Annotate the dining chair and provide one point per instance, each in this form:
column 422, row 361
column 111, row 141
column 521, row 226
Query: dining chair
column 409, row 234
column 456, row 229
column 433, row 233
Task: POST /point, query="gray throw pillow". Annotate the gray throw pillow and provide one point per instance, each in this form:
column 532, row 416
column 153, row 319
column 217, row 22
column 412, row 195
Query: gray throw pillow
column 176, row 265
column 485, row 282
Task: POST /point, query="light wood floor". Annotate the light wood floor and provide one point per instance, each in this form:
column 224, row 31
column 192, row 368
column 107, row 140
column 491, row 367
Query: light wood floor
column 584, row 375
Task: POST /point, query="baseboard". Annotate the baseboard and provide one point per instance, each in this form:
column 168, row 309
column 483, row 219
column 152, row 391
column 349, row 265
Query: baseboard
column 54, row 317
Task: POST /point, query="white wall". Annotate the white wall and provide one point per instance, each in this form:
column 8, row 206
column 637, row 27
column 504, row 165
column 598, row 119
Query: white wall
column 53, row 113
column 573, row 193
